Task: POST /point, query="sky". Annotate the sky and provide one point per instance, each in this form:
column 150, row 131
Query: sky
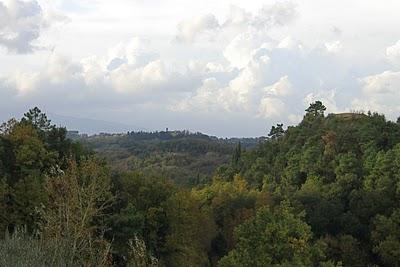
column 225, row 68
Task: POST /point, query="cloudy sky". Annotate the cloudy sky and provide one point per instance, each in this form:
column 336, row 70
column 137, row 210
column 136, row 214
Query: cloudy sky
column 227, row 68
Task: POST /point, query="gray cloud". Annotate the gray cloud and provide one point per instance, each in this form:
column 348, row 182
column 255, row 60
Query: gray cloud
column 21, row 24
column 253, row 74
column 208, row 27
column 278, row 14
column 275, row 83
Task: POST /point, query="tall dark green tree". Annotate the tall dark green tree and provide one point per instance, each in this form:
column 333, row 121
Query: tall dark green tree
column 37, row 119
column 316, row 109
column 236, row 156
column 276, row 132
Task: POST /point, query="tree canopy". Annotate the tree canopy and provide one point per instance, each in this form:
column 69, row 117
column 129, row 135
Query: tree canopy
column 323, row 193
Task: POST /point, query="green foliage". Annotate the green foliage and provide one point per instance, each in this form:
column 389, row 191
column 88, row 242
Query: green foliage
column 236, row 156
column 38, row 119
column 340, row 173
column 190, row 231
column 342, row 170
column 386, row 238
column 188, row 159
column 170, row 221
column 316, row 109
column 31, row 151
column 79, row 199
column 276, row 132
column 230, row 203
column 346, row 249
column 139, row 212
column 272, row 238
column 27, row 197
column 3, row 206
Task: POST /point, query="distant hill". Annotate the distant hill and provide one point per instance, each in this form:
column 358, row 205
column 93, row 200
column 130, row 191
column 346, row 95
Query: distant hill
column 187, row 158
column 92, row 126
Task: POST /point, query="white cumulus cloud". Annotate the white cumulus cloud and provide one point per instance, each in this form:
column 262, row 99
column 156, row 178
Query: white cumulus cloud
column 381, row 93
column 238, row 20
column 383, row 83
column 21, row 23
column 393, row 53
column 190, row 29
column 278, row 14
column 281, row 88
column 327, row 97
column 271, row 107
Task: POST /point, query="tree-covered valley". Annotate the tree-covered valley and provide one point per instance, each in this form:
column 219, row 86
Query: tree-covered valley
column 323, row 193
column 188, row 159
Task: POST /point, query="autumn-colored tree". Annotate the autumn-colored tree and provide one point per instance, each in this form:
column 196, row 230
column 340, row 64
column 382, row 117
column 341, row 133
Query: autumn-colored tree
column 231, row 203
column 78, row 201
column 190, row 231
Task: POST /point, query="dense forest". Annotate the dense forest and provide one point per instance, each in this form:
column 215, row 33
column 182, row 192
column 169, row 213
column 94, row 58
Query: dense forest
column 189, row 159
column 323, row 193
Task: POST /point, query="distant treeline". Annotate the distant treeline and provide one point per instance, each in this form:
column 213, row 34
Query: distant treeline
column 185, row 157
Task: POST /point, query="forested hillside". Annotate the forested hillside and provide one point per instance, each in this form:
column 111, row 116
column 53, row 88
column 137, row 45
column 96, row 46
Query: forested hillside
column 186, row 158
column 323, row 193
